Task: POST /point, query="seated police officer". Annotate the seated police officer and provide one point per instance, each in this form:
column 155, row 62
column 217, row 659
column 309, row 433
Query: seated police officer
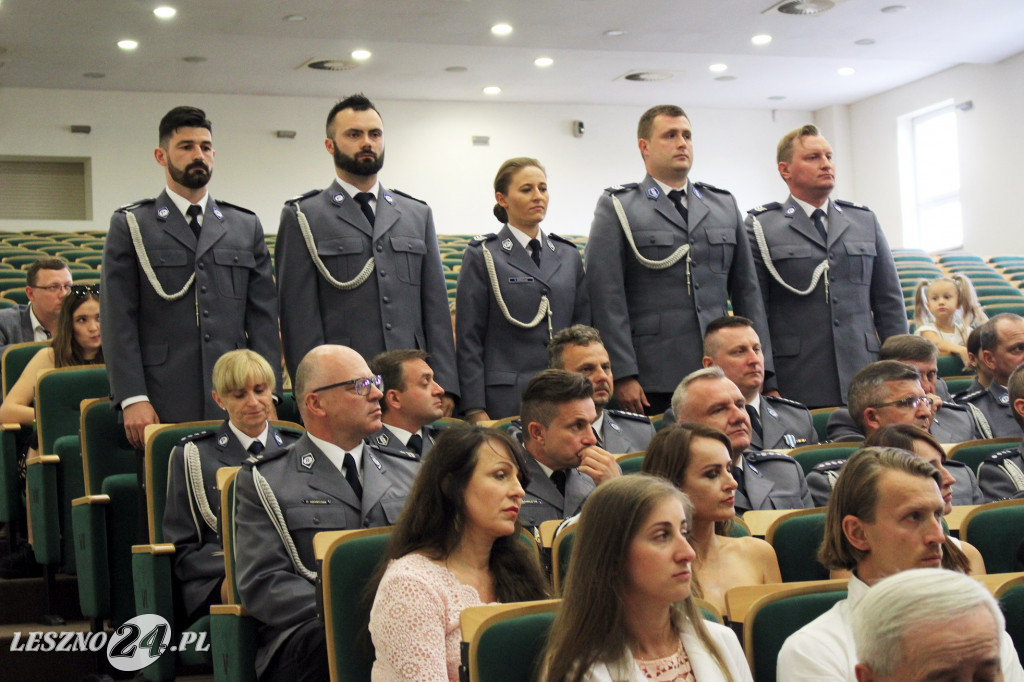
column 766, row 480
column 412, row 401
column 243, row 385
column 579, row 349
column 1001, row 476
column 1001, row 343
column 330, row 479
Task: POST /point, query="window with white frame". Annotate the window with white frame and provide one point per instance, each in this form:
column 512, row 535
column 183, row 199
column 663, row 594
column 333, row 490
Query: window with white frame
column 930, row 178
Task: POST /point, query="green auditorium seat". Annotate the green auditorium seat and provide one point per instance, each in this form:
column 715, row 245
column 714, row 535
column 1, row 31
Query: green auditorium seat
column 958, row 383
column 1011, row 598
column 1015, row 308
column 952, row 258
column 16, row 294
column 810, row 456
column 950, row 365
column 973, row 452
column 996, row 529
column 820, row 417
column 796, row 538
column 630, row 462
column 505, row 642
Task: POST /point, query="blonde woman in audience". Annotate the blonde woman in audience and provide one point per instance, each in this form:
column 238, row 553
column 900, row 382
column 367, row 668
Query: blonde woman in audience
column 456, row 548
column 945, row 311
column 696, row 458
column 627, row 610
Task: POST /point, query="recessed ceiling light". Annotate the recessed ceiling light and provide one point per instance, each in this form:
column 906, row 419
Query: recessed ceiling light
column 846, row 71
column 165, row 12
column 127, row 44
column 492, row 90
column 456, row 69
column 543, row 61
column 864, row 41
column 501, row 29
column 94, row 74
column 361, row 55
column 761, row 39
column 614, row 33
column 294, row 17
column 776, row 98
column 892, row 9
column 717, row 68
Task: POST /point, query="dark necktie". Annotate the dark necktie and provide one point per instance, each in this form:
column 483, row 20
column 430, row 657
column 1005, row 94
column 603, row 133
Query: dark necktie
column 352, row 475
column 597, row 436
column 755, row 420
column 819, row 223
column 737, row 474
column 193, row 213
column 558, row 478
column 255, row 447
column 415, row 443
column 677, row 198
column 535, row 251
column 364, row 199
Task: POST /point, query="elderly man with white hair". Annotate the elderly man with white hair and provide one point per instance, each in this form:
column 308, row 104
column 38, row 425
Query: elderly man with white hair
column 901, row 629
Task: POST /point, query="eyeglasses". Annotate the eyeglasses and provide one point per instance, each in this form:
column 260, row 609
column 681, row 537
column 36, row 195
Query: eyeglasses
column 361, row 385
column 83, row 290
column 53, row 288
column 911, row 402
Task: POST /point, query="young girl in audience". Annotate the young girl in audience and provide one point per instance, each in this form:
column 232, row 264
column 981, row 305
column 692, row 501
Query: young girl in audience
column 696, row 458
column 945, row 311
column 456, row 548
column 627, row 611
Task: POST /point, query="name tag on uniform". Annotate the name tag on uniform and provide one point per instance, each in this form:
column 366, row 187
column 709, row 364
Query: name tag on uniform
column 519, row 280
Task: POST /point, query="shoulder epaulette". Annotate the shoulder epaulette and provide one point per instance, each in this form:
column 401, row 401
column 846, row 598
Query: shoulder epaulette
column 1002, row 454
column 290, row 431
column 953, row 406
column 265, row 456
column 243, row 209
column 481, row 238
column 758, row 210
column 960, row 397
column 407, row 196
column 630, row 415
column 562, row 239
column 704, row 185
column 787, row 401
column 766, row 455
column 844, row 202
column 199, row 435
column 830, row 465
column 136, row 204
column 310, row 193
column 615, row 189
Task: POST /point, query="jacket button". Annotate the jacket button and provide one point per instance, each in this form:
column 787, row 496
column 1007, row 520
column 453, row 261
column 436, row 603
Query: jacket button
column 380, row 247
column 388, row 326
column 387, row 299
column 200, row 266
column 206, row 337
column 236, row 259
column 202, row 289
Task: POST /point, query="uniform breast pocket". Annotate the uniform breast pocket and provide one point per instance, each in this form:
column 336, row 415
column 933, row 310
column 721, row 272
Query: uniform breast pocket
column 861, row 259
column 172, row 268
column 655, row 245
column 305, row 521
column 796, row 262
column 723, row 244
column 409, row 254
column 344, row 257
column 232, row 272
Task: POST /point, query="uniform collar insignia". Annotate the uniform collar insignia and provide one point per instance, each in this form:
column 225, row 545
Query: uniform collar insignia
column 338, row 198
column 388, row 198
column 507, row 245
column 616, row 427
column 653, row 192
column 216, row 212
column 163, row 212
column 839, row 209
column 697, row 193
column 223, row 440
column 307, row 460
column 375, row 461
column 382, row 440
column 771, row 411
column 551, row 245
column 791, row 210
column 278, row 439
column 1004, row 398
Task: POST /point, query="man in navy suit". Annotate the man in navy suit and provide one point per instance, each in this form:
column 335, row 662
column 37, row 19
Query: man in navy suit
column 48, row 282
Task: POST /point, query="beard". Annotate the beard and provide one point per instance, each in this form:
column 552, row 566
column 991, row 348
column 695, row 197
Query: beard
column 355, row 166
column 194, row 176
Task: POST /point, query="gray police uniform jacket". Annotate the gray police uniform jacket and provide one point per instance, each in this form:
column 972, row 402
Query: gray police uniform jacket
column 166, row 349
column 386, row 441
column 784, row 423
column 952, row 424
column 623, row 432
column 497, row 359
column 771, row 481
column 543, row 502
column 276, row 584
column 652, row 322
column 192, row 513
column 994, row 403
column 402, row 304
column 1001, row 476
column 15, row 326
column 818, row 344
column 822, row 479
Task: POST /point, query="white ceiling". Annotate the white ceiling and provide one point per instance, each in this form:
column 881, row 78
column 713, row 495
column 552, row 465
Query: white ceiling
column 250, row 49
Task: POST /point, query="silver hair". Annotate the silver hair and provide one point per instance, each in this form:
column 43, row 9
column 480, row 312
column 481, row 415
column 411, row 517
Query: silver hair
column 909, row 601
column 680, row 394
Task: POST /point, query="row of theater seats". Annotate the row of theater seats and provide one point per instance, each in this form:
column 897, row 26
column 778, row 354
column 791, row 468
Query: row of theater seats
column 997, row 281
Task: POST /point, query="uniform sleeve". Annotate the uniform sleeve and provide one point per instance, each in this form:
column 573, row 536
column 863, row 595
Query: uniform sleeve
column 437, row 321
column 119, row 311
column 805, row 493
column 268, row 585
column 472, row 300
column 301, row 326
column 407, row 625
column 887, row 304
column 605, row 279
column 261, row 324
column 745, row 292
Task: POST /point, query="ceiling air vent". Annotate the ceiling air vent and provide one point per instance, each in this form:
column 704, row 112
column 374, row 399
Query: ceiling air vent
column 321, row 64
column 647, row 76
column 803, row 7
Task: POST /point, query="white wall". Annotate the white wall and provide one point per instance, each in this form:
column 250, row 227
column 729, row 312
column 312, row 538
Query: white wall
column 991, row 148
column 429, row 151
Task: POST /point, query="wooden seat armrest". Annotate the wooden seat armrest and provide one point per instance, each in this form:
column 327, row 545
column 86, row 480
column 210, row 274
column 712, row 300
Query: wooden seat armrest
column 90, row 499
column 228, row 610
column 156, row 549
